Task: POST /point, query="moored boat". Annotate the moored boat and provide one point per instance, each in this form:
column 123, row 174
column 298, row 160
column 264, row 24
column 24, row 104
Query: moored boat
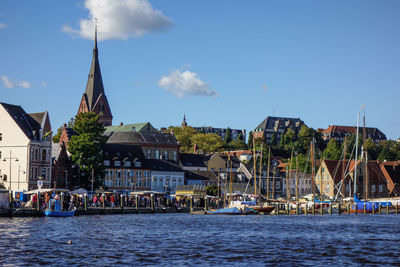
column 54, row 209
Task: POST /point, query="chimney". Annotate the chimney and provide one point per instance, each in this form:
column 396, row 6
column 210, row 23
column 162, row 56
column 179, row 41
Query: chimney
column 121, row 124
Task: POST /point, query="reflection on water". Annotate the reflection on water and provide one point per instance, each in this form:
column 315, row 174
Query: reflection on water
column 185, row 239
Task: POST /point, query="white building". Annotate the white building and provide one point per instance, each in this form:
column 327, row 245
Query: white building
column 165, row 176
column 25, row 148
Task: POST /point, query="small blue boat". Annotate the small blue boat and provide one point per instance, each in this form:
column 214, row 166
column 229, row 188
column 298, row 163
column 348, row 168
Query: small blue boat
column 54, row 209
column 226, row 211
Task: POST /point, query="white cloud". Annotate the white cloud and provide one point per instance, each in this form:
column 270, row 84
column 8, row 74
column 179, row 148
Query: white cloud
column 120, row 19
column 185, row 83
column 9, row 84
column 3, row 25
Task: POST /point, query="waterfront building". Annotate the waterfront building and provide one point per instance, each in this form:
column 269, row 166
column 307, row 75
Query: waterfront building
column 381, row 178
column 94, row 98
column 125, row 168
column 276, row 126
column 223, row 163
column 219, row 131
column 66, row 134
column 339, row 132
column 193, row 162
column 166, row 175
column 25, row 148
column 154, row 145
column 197, row 177
column 62, row 172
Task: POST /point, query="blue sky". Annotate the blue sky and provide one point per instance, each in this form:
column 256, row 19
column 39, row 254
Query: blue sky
column 222, row 63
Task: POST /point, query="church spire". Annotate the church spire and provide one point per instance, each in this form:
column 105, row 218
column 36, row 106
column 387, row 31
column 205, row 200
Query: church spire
column 94, row 98
column 184, row 124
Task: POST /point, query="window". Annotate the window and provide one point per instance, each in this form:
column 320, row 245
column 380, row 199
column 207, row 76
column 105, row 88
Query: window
column 43, row 173
column 380, row 188
column 127, row 164
column 166, row 154
column 373, row 188
column 157, row 154
column 1, row 136
column 138, row 164
column 106, row 163
column 44, row 154
column 174, row 155
column 148, row 154
column 4, row 177
column 117, row 163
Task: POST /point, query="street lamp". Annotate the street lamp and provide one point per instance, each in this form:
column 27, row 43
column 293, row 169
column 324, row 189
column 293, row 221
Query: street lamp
column 9, row 159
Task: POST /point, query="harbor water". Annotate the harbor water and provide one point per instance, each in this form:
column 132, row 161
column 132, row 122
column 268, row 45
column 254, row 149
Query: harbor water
column 183, row 239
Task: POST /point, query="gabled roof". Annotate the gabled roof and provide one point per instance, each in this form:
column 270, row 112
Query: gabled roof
column 132, row 127
column 193, row 160
column 113, row 152
column 340, row 129
column 269, row 122
column 29, row 126
column 201, row 175
column 143, row 138
column 162, row 165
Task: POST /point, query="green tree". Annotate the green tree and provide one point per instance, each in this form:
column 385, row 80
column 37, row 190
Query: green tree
column 85, row 147
column 228, row 136
column 184, row 136
column 332, row 151
column 390, row 151
column 212, row 190
column 274, row 140
column 56, row 137
column 305, row 137
column 250, row 140
column 372, row 149
column 208, row 142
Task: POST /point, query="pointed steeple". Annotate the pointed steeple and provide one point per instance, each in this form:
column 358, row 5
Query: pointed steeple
column 94, row 98
column 184, row 124
column 94, row 86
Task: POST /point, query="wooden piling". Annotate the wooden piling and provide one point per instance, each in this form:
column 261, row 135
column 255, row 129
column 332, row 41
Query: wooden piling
column 85, row 201
column 339, row 211
column 348, row 208
column 322, row 209
column 38, row 201
column 397, row 208
column 287, row 209
column 152, row 202
column 277, row 209
column 205, row 204
column 306, row 209
column 122, row 203
column 373, row 208
column 330, row 208
column 387, row 208
column 136, row 203
column 313, row 209
column 104, row 201
column 191, row 203
column 365, row 208
column 297, row 208
column 380, row 208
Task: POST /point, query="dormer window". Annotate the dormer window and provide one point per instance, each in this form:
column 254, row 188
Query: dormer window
column 106, row 163
column 127, row 164
column 117, row 163
column 138, row 164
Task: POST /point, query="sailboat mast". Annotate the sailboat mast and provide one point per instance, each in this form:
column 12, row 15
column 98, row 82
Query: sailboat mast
column 230, row 182
column 320, row 182
column 288, row 178
column 268, row 169
column 297, row 178
column 218, row 189
column 259, row 177
column 355, row 166
column 312, row 169
column 343, row 167
column 255, row 169
column 365, row 157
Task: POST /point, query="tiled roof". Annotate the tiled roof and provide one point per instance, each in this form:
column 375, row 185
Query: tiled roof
column 133, row 127
column 195, row 160
column 269, row 122
column 142, row 138
column 26, row 123
column 201, row 175
column 162, row 165
column 340, row 129
column 38, row 116
column 122, row 153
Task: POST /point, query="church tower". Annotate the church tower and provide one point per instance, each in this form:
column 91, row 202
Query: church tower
column 184, row 124
column 94, row 98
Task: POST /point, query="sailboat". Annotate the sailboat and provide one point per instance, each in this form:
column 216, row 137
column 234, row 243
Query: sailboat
column 359, row 206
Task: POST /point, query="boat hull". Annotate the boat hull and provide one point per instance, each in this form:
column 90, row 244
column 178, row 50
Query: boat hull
column 59, row 213
column 263, row 210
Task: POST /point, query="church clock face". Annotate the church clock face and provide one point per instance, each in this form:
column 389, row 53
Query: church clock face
column 101, row 114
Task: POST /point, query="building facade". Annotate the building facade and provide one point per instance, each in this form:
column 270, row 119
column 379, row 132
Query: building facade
column 276, row 126
column 25, row 148
column 339, row 132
